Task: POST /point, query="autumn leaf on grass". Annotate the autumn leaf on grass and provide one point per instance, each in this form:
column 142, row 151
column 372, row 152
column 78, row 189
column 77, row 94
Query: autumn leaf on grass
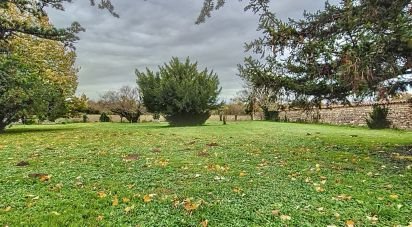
column 7, row 209
column 115, row 201
column 148, row 198
column 101, row 194
column 237, row 190
column 162, row 162
column 128, row 209
column 374, row 219
column 276, row 212
column 394, row 196
column 284, row 217
column 99, row 218
column 319, row 189
column 242, row 174
column 191, row 206
column 350, row 223
column 41, row 176
column 204, row 223
column 125, row 200
column 343, row 197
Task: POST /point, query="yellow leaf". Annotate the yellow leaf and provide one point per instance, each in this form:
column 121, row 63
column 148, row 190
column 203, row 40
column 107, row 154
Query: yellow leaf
column 147, row 198
column 237, row 190
column 242, row 174
column 285, row 217
column 8, row 209
column 350, row 223
column 115, row 201
column 190, row 206
column 319, row 189
column 276, row 212
column 125, row 200
column 44, row 177
column 101, row 194
column 204, row 223
column 128, row 209
column 373, row 219
column 55, row 213
column 99, row 218
column 394, row 196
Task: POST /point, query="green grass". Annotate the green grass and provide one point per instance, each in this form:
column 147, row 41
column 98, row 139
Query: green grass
column 317, row 175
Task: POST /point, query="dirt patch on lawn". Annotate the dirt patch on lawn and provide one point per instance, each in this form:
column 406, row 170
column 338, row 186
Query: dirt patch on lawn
column 399, row 156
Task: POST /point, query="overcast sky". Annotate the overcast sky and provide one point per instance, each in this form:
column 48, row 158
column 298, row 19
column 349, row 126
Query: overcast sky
column 149, row 33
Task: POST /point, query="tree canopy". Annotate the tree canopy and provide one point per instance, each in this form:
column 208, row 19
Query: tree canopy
column 37, row 75
column 342, row 53
column 179, row 91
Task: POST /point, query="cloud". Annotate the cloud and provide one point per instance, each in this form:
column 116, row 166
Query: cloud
column 148, row 33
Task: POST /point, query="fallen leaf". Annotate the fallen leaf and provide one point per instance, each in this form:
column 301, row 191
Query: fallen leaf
column 394, row 196
column 242, row 174
column 190, row 206
column 284, row 217
column 115, row 201
column 372, row 219
column 148, row 198
column 319, row 189
column 101, row 194
column 99, row 218
column 7, row 209
column 343, row 197
column 55, row 213
column 350, row 223
column 204, row 223
column 44, row 178
column 128, row 209
column 276, row 212
column 41, row 176
column 125, row 199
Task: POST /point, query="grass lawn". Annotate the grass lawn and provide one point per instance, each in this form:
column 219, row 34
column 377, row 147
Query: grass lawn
column 240, row 174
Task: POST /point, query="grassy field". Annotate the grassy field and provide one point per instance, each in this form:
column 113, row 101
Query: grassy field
column 241, row 174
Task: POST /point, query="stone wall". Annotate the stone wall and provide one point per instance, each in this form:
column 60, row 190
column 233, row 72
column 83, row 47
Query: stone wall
column 400, row 114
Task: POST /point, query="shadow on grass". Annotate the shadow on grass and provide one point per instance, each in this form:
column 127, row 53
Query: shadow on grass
column 38, row 129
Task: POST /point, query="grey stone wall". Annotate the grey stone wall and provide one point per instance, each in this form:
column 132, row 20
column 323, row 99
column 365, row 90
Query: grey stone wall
column 400, row 114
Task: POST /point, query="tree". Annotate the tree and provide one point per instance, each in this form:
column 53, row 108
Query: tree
column 179, row 91
column 36, row 77
column 77, row 105
column 235, row 107
column 343, row 53
column 10, row 27
column 125, row 102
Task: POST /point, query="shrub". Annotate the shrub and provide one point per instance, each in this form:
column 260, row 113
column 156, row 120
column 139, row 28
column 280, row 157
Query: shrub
column 378, row 118
column 85, row 118
column 180, row 92
column 104, row 117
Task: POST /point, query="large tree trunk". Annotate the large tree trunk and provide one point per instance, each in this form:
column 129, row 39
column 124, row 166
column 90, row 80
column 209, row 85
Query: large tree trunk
column 2, row 126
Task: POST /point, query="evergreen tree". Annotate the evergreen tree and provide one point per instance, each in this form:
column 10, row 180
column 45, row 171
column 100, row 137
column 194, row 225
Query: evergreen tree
column 345, row 52
column 179, row 91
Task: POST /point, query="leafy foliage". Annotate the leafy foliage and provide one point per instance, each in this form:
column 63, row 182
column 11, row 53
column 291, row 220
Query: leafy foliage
column 104, row 117
column 378, row 118
column 184, row 95
column 36, row 10
column 37, row 75
column 125, row 102
column 345, row 52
